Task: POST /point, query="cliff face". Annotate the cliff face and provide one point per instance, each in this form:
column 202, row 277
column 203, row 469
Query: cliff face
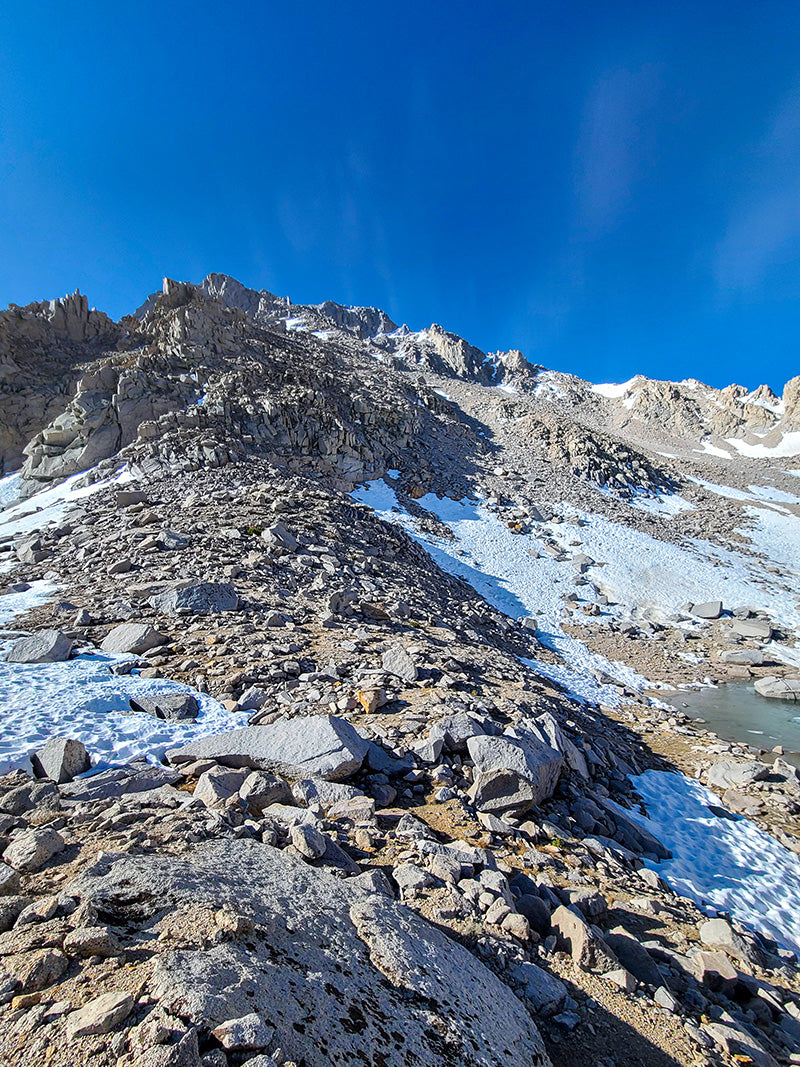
column 43, row 350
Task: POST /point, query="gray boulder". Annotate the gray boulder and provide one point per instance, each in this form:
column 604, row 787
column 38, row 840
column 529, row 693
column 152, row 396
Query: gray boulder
column 778, row 688
column 398, row 662
column 536, row 764
column 323, row 746
column 730, row 774
column 136, row 777
column 135, row 637
column 544, row 992
column 758, row 629
column 48, row 646
column 382, row 977
column 745, row 657
column 710, row 610
column 207, row 598
column 176, row 707
column 61, row 759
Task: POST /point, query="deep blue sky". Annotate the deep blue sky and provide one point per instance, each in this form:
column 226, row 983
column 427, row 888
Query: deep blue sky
column 613, row 188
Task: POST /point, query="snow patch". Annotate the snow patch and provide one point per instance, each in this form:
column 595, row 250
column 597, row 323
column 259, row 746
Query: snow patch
column 789, row 445
column 613, row 391
column 724, row 864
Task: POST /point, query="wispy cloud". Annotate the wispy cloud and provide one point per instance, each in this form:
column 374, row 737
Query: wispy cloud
column 615, row 144
column 763, row 229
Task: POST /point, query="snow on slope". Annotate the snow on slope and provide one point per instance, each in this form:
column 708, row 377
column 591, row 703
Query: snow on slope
column 723, row 864
column 500, row 566
column 81, row 698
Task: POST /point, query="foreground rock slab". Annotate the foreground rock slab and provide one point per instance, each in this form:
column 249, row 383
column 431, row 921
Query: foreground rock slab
column 329, row 969
column 48, row 646
column 323, row 746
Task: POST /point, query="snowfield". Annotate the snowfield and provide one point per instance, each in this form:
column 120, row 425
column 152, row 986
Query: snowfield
column 81, row 698
column 722, row 863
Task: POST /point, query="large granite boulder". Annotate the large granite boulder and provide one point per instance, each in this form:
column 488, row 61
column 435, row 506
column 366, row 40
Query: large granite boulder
column 530, row 771
column 330, row 969
column 779, row 688
column 48, row 646
column 321, row 746
column 135, row 637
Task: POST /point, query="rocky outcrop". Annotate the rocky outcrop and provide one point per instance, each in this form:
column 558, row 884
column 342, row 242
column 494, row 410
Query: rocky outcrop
column 320, row 968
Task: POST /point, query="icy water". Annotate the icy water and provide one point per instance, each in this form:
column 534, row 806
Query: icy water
column 737, row 713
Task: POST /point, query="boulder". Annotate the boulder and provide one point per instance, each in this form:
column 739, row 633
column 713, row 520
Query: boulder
column 100, row 1015
column 135, row 637
column 731, row 774
column 138, row 776
column 455, row 730
column 712, row 609
column 207, row 598
column 778, row 688
column 633, row 957
column 535, row 764
column 333, row 968
column 586, row 947
column 757, row 629
column 544, row 992
column 176, row 707
column 745, row 657
column 719, row 934
column 323, row 746
column 48, row 646
column 61, row 760
column 33, row 848
column 398, row 662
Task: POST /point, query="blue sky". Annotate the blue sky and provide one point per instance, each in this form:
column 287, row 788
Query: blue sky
column 613, row 188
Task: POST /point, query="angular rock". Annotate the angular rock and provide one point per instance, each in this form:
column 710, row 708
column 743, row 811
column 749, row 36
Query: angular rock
column 47, row 646
column 217, row 785
column 633, row 957
column 135, row 777
column 778, row 688
column 501, row 791
column 260, row 789
column 534, row 763
column 398, row 662
column 100, row 1015
column 308, row 841
column 745, row 657
column 714, row 970
column 719, row 934
column 207, row 598
column 757, row 629
column 175, row 707
column 712, row 609
column 587, row 949
column 322, row 746
column 135, row 637
column 544, row 992
column 61, row 760
column 248, row 1033
column 731, row 774
column 374, row 963
column 32, row 849
column 29, row 795
column 9, row 880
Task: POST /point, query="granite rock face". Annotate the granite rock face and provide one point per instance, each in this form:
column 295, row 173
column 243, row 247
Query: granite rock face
column 332, row 969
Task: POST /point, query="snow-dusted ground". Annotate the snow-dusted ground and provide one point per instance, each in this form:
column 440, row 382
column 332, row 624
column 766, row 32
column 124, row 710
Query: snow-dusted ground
column 501, row 566
column 49, row 506
column 722, row 863
column 81, row 698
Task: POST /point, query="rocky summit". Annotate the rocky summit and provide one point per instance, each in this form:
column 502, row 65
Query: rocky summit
column 346, row 685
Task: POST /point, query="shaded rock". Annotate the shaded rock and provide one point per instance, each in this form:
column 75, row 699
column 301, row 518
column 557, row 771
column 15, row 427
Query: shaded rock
column 135, row 637
column 175, row 707
column 47, row 646
column 61, row 760
column 544, row 992
column 322, row 746
column 719, row 934
column 9, row 880
column 29, row 795
column 207, row 598
column 633, row 957
column 536, row 765
column 586, row 947
column 260, row 789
